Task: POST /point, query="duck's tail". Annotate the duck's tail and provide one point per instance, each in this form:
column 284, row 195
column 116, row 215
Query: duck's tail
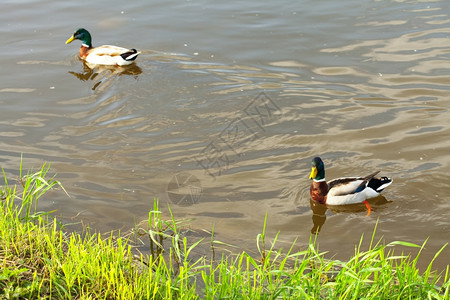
column 379, row 184
column 130, row 55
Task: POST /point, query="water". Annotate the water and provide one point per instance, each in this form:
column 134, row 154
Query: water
column 225, row 108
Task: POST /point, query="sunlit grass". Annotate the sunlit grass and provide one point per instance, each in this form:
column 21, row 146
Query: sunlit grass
column 38, row 260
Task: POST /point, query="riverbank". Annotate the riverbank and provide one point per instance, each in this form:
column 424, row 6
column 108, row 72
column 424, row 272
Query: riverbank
column 39, row 260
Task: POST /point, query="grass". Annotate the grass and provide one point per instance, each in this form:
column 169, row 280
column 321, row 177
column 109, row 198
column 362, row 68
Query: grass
column 38, row 260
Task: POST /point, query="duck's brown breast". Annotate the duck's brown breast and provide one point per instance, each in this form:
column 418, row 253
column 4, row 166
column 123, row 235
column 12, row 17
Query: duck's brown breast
column 83, row 52
column 318, row 191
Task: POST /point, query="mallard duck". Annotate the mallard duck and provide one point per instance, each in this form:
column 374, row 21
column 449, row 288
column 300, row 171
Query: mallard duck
column 343, row 191
column 102, row 55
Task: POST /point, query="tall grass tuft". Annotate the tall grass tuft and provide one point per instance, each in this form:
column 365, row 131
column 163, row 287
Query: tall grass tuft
column 38, row 260
column 372, row 274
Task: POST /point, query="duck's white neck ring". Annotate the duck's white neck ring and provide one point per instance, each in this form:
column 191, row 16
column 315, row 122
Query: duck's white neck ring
column 320, row 180
column 84, row 45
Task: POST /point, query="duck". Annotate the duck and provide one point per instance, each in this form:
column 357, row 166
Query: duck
column 102, row 55
column 346, row 190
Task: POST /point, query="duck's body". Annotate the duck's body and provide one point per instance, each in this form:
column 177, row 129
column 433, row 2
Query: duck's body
column 102, row 55
column 344, row 191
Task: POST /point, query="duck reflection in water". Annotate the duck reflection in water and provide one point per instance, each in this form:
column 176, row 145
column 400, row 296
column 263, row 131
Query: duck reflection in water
column 319, row 215
column 91, row 72
column 319, row 210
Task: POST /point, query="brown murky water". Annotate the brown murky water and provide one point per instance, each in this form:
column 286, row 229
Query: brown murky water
column 225, row 108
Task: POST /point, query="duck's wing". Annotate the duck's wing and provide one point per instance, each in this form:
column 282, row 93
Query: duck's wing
column 349, row 185
column 111, row 55
column 108, row 50
column 345, row 186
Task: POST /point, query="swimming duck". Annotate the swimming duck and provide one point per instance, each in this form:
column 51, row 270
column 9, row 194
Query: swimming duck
column 343, row 191
column 102, row 55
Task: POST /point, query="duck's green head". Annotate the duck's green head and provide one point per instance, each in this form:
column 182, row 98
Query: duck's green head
column 82, row 35
column 318, row 169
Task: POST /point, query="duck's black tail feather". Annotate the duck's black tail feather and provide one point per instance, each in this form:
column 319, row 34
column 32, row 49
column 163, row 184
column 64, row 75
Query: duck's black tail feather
column 379, row 184
column 130, row 55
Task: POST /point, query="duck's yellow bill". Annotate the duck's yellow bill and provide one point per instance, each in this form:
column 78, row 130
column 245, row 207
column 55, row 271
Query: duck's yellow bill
column 313, row 173
column 70, row 39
